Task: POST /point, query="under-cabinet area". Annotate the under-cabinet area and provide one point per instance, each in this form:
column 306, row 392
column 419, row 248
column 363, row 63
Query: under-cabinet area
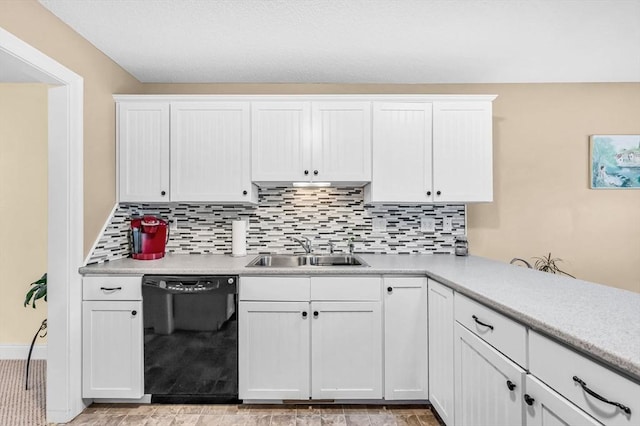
column 375, row 336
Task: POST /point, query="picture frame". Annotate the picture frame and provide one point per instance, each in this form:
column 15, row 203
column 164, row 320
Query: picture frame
column 614, row 161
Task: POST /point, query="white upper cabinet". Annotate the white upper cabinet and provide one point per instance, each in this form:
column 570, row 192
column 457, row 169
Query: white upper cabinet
column 432, row 151
column 412, row 148
column 280, row 141
column 311, row 141
column 210, row 152
column 143, row 152
column 401, row 152
column 341, row 141
column 462, row 152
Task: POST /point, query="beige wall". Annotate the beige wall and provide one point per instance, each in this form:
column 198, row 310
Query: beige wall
column 542, row 198
column 32, row 23
column 541, row 172
column 23, row 206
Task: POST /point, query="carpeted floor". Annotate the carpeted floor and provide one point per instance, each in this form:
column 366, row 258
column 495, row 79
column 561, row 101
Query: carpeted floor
column 20, row 407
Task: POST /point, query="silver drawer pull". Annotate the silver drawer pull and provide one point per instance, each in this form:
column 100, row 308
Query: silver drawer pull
column 601, row 398
column 110, row 288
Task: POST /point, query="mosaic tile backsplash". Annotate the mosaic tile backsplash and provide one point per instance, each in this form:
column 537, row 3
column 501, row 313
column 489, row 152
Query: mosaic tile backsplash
column 323, row 215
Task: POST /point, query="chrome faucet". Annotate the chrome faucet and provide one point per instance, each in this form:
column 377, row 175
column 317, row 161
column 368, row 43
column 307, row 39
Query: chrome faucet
column 306, row 244
column 331, row 247
column 352, row 245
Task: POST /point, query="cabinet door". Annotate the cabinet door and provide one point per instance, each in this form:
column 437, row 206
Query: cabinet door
column 346, row 350
column 341, row 141
column 280, row 141
column 462, row 152
column 545, row 407
column 210, row 157
column 112, row 348
column 441, row 325
column 482, row 380
column 401, row 152
column 143, row 151
column 405, row 338
column 273, row 350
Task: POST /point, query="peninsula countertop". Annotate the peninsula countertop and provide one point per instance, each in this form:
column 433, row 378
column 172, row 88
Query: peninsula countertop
column 600, row 321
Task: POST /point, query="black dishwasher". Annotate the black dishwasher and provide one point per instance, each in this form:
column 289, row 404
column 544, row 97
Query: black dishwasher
column 190, row 338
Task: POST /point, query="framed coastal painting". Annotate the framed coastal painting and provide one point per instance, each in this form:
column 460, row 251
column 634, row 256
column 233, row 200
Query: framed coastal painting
column 615, row 161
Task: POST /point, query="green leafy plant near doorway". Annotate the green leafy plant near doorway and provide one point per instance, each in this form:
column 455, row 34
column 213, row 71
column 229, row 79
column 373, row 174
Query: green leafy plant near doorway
column 38, row 290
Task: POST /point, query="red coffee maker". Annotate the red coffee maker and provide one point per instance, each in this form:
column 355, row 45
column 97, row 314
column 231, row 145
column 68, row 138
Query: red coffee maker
column 149, row 236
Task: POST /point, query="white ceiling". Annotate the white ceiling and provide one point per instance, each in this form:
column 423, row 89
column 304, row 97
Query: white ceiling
column 363, row 41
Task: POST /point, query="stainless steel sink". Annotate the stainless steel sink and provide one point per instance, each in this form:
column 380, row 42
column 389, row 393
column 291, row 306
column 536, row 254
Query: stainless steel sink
column 336, row 260
column 296, row 261
column 278, row 261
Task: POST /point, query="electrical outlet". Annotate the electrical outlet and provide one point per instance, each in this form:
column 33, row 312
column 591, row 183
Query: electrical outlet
column 447, row 224
column 428, row 224
column 379, row 225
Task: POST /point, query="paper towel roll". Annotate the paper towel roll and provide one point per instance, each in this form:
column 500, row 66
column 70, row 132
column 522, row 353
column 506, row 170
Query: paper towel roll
column 239, row 238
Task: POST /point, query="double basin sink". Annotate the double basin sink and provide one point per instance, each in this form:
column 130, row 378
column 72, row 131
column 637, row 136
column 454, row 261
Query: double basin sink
column 296, row 261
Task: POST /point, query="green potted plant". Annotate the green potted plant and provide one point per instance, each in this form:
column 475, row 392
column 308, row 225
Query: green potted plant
column 37, row 291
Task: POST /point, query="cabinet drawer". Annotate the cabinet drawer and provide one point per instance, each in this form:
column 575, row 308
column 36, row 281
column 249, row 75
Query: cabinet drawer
column 557, row 365
column 112, row 288
column 546, row 404
column 285, row 289
column 346, row 288
column 504, row 334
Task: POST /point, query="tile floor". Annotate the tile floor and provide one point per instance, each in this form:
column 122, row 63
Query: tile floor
column 246, row 415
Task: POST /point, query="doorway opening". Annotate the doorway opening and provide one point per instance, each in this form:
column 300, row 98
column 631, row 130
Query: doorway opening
column 65, row 218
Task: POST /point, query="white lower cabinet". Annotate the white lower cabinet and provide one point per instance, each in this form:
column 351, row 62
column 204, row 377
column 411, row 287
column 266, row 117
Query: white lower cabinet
column 405, row 333
column 274, row 350
column 488, row 386
column 326, row 345
column 112, row 337
column 112, row 345
column 441, row 325
column 545, row 407
column 346, row 350
column 602, row 393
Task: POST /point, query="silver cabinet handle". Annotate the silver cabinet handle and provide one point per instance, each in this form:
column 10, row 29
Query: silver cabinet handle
column 110, row 288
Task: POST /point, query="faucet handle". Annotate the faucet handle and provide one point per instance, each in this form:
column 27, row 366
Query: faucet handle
column 352, row 241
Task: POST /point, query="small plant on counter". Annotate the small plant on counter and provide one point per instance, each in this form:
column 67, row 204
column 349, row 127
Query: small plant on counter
column 37, row 291
column 544, row 264
column 549, row 264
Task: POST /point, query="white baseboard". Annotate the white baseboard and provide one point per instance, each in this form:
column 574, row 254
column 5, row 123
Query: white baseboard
column 146, row 399
column 10, row 351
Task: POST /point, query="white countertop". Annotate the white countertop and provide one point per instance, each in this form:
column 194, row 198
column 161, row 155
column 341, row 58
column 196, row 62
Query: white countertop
column 601, row 321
